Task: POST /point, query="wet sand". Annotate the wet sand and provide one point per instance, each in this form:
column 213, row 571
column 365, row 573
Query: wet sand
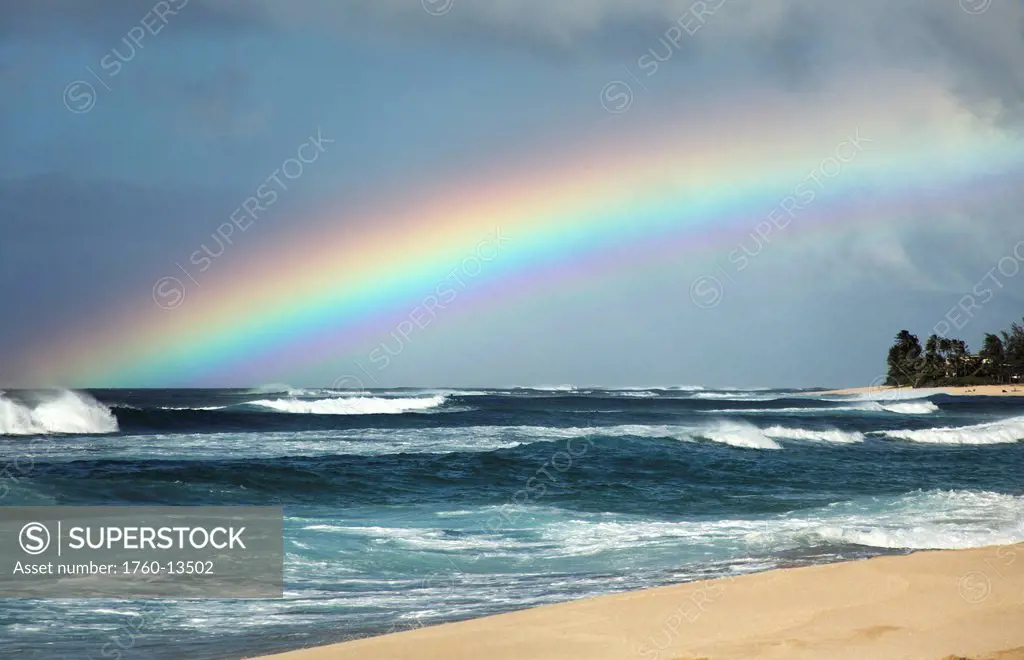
column 935, row 605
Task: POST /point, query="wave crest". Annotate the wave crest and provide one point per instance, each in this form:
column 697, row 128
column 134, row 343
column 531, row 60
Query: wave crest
column 902, row 408
column 738, row 434
column 990, row 433
column 352, row 405
column 819, row 435
column 930, row 520
column 63, row 411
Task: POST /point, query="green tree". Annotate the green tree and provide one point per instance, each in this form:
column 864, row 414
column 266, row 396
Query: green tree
column 1013, row 345
column 932, row 370
column 993, row 356
column 960, row 355
column 904, row 360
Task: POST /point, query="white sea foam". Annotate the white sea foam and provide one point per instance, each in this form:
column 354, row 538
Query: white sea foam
column 924, row 520
column 420, row 538
column 909, row 408
column 763, row 411
column 890, row 395
column 920, row 520
column 190, row 407
column 57, row 412
column 738, row 434
column 820, row 435
column 737, row 395
column 990, row 433
column 730, row 432
column 352, row 405
column 902, row 408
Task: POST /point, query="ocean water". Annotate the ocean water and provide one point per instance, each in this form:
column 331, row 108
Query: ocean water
column 407, row 508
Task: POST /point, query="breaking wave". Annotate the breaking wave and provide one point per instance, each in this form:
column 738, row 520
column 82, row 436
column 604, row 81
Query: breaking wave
column 929, row 520
column 824, row 435
column 902, row 408
column 738, row 434
column 55, row 412
column 352, row 405
column 990, row 433
column 909, row 408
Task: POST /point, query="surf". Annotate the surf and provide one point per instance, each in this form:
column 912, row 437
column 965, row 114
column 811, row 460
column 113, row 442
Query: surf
column 990, row 433
column 60, row 412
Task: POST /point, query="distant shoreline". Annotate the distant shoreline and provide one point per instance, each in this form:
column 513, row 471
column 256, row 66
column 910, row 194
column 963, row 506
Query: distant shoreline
column 973, row 390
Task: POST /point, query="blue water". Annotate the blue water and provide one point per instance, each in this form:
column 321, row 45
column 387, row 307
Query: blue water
column 407, row 508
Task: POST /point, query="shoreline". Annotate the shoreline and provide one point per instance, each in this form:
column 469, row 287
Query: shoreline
column 972, row 390
column 928, row 605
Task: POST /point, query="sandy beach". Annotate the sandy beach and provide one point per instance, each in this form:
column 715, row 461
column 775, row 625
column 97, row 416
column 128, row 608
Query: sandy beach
column 976, row 390
column 934, row 605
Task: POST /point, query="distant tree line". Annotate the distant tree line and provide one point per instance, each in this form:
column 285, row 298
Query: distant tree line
column 945, row 361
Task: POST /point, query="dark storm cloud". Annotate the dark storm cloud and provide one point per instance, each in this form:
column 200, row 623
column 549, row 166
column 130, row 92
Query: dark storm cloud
column 106, row 19
column 799, row 40
column 803, row 43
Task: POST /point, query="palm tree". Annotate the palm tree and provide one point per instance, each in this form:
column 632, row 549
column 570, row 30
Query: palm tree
column 1013, row 344
column 993, row 356
column 903, row 360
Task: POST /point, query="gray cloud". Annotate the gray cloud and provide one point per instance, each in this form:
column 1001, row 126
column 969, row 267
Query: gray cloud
column 801, row 42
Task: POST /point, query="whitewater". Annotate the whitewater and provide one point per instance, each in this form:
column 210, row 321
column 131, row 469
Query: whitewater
column 410, row 507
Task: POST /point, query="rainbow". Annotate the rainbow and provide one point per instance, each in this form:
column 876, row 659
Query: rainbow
column 298, row 300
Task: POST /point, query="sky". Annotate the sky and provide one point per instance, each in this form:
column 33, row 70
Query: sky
column 503, row 192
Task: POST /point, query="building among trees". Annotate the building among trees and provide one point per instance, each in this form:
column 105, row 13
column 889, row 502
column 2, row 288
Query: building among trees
column 945, row 361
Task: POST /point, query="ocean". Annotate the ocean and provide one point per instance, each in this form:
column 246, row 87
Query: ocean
column 411, row 507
